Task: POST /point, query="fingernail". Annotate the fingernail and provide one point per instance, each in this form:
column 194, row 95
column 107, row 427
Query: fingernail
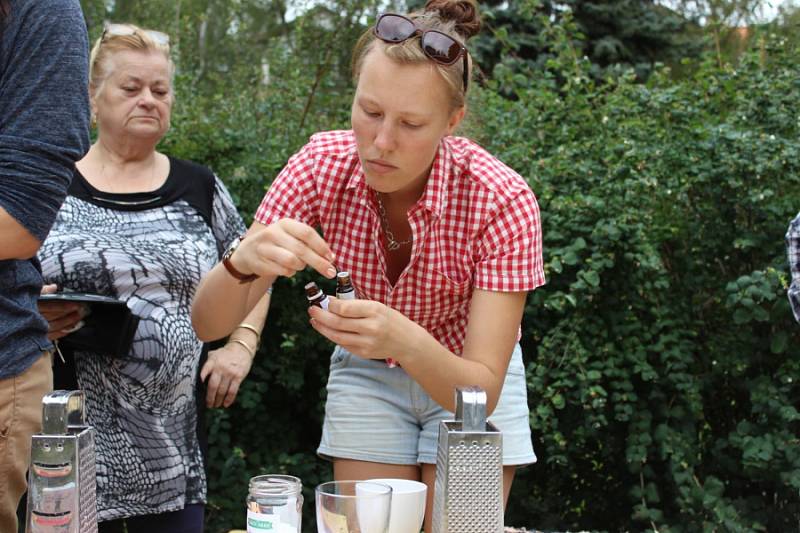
column 331, row 272
column 74, row 328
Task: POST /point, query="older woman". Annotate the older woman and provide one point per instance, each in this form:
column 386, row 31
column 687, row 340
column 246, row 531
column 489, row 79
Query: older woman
column 144, row 227
column 442, row 241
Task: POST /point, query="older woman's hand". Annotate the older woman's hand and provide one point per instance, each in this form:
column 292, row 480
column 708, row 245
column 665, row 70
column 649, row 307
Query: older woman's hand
column 225, row 369
column 62, row 318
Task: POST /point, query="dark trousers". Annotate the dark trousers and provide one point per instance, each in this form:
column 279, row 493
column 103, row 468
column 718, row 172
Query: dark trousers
column 187, row 520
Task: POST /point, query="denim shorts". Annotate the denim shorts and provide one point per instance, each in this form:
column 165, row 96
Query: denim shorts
column 380, row 414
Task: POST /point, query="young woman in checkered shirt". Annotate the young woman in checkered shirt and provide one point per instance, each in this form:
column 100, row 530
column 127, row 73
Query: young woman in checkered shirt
column 442, row 242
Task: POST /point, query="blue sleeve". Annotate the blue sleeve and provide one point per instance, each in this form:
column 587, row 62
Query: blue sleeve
column 44, row 108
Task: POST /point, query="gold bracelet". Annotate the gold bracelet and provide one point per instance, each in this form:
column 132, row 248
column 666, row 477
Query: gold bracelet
column 247, row 347
column 251, row 327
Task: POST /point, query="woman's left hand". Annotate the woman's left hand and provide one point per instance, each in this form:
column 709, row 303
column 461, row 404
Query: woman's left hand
column 225, row 369
column 62, row 318
column 368, row 329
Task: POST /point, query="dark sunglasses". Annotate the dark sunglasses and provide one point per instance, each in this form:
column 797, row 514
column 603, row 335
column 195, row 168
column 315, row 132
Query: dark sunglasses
column 438, row 46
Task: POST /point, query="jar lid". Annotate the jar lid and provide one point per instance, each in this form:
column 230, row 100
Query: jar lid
column 275, row 484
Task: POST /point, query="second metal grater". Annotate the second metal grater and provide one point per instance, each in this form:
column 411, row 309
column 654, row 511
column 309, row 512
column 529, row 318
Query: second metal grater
column 468, row 495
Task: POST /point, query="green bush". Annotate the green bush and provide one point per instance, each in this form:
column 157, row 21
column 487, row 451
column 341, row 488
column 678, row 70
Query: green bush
column 663, row 354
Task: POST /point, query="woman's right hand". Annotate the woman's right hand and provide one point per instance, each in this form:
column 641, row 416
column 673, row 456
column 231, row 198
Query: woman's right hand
column 62, row 318
column 283, row 249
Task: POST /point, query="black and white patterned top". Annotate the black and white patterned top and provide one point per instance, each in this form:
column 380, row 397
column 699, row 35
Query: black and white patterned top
column 149, row 249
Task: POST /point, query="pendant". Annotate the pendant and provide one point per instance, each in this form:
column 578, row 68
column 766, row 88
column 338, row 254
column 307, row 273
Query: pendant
column 392, row 246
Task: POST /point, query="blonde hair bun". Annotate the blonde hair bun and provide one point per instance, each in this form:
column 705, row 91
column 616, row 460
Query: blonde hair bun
column 463, row 13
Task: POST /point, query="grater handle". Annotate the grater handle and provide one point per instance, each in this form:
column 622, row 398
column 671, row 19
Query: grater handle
column 471, row 408
column 61, row 410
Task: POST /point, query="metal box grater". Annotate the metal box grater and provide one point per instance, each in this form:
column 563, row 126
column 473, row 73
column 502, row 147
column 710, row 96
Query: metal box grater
column 61, row 478
column 468, row 495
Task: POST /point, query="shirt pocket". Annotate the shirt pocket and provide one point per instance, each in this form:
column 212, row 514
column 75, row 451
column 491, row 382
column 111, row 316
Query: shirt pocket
column 440, row 296
column 454, row 283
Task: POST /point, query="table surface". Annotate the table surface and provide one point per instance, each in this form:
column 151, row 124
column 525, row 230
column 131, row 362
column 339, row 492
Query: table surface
column 507, row 530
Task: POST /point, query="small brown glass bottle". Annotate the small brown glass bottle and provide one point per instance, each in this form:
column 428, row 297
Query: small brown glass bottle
column 344, row 288
column 315, row 296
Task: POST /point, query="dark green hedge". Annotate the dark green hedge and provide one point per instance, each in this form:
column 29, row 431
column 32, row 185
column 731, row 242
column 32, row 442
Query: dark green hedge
column 662, row 356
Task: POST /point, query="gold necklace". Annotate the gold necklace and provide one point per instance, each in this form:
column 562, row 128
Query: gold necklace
column 392, row 244
column 151, row 182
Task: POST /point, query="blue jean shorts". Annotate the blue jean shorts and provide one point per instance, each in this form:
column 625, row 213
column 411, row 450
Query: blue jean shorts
column 380, row 414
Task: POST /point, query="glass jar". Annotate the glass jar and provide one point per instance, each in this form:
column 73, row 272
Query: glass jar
column 274, row 504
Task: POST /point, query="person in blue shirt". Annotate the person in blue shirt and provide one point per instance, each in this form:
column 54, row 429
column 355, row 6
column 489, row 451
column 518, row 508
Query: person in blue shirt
column 44, row 129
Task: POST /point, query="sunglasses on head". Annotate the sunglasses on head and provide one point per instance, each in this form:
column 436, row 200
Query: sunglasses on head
column 122, row 30
column 437, row 46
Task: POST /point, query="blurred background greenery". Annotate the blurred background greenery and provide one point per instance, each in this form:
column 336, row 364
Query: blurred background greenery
column 662, row 140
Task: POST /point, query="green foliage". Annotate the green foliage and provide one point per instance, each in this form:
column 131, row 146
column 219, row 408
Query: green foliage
column 612, row 35
column 664, row 356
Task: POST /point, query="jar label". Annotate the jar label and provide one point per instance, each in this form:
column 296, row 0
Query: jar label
column 261, row 523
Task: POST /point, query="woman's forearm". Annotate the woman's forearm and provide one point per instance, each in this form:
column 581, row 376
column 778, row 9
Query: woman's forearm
column 490, row 339
column 439, row 371
column 221, row 303
column 280, row 249
column 249, row 330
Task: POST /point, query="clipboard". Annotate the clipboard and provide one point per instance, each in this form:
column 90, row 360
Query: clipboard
column 108, row 328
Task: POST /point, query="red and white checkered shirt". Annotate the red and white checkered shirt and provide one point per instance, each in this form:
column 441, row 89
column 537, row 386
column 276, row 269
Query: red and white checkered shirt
column 476, row 226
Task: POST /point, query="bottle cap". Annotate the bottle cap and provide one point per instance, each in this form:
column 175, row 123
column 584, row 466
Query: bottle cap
column 312, row 291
